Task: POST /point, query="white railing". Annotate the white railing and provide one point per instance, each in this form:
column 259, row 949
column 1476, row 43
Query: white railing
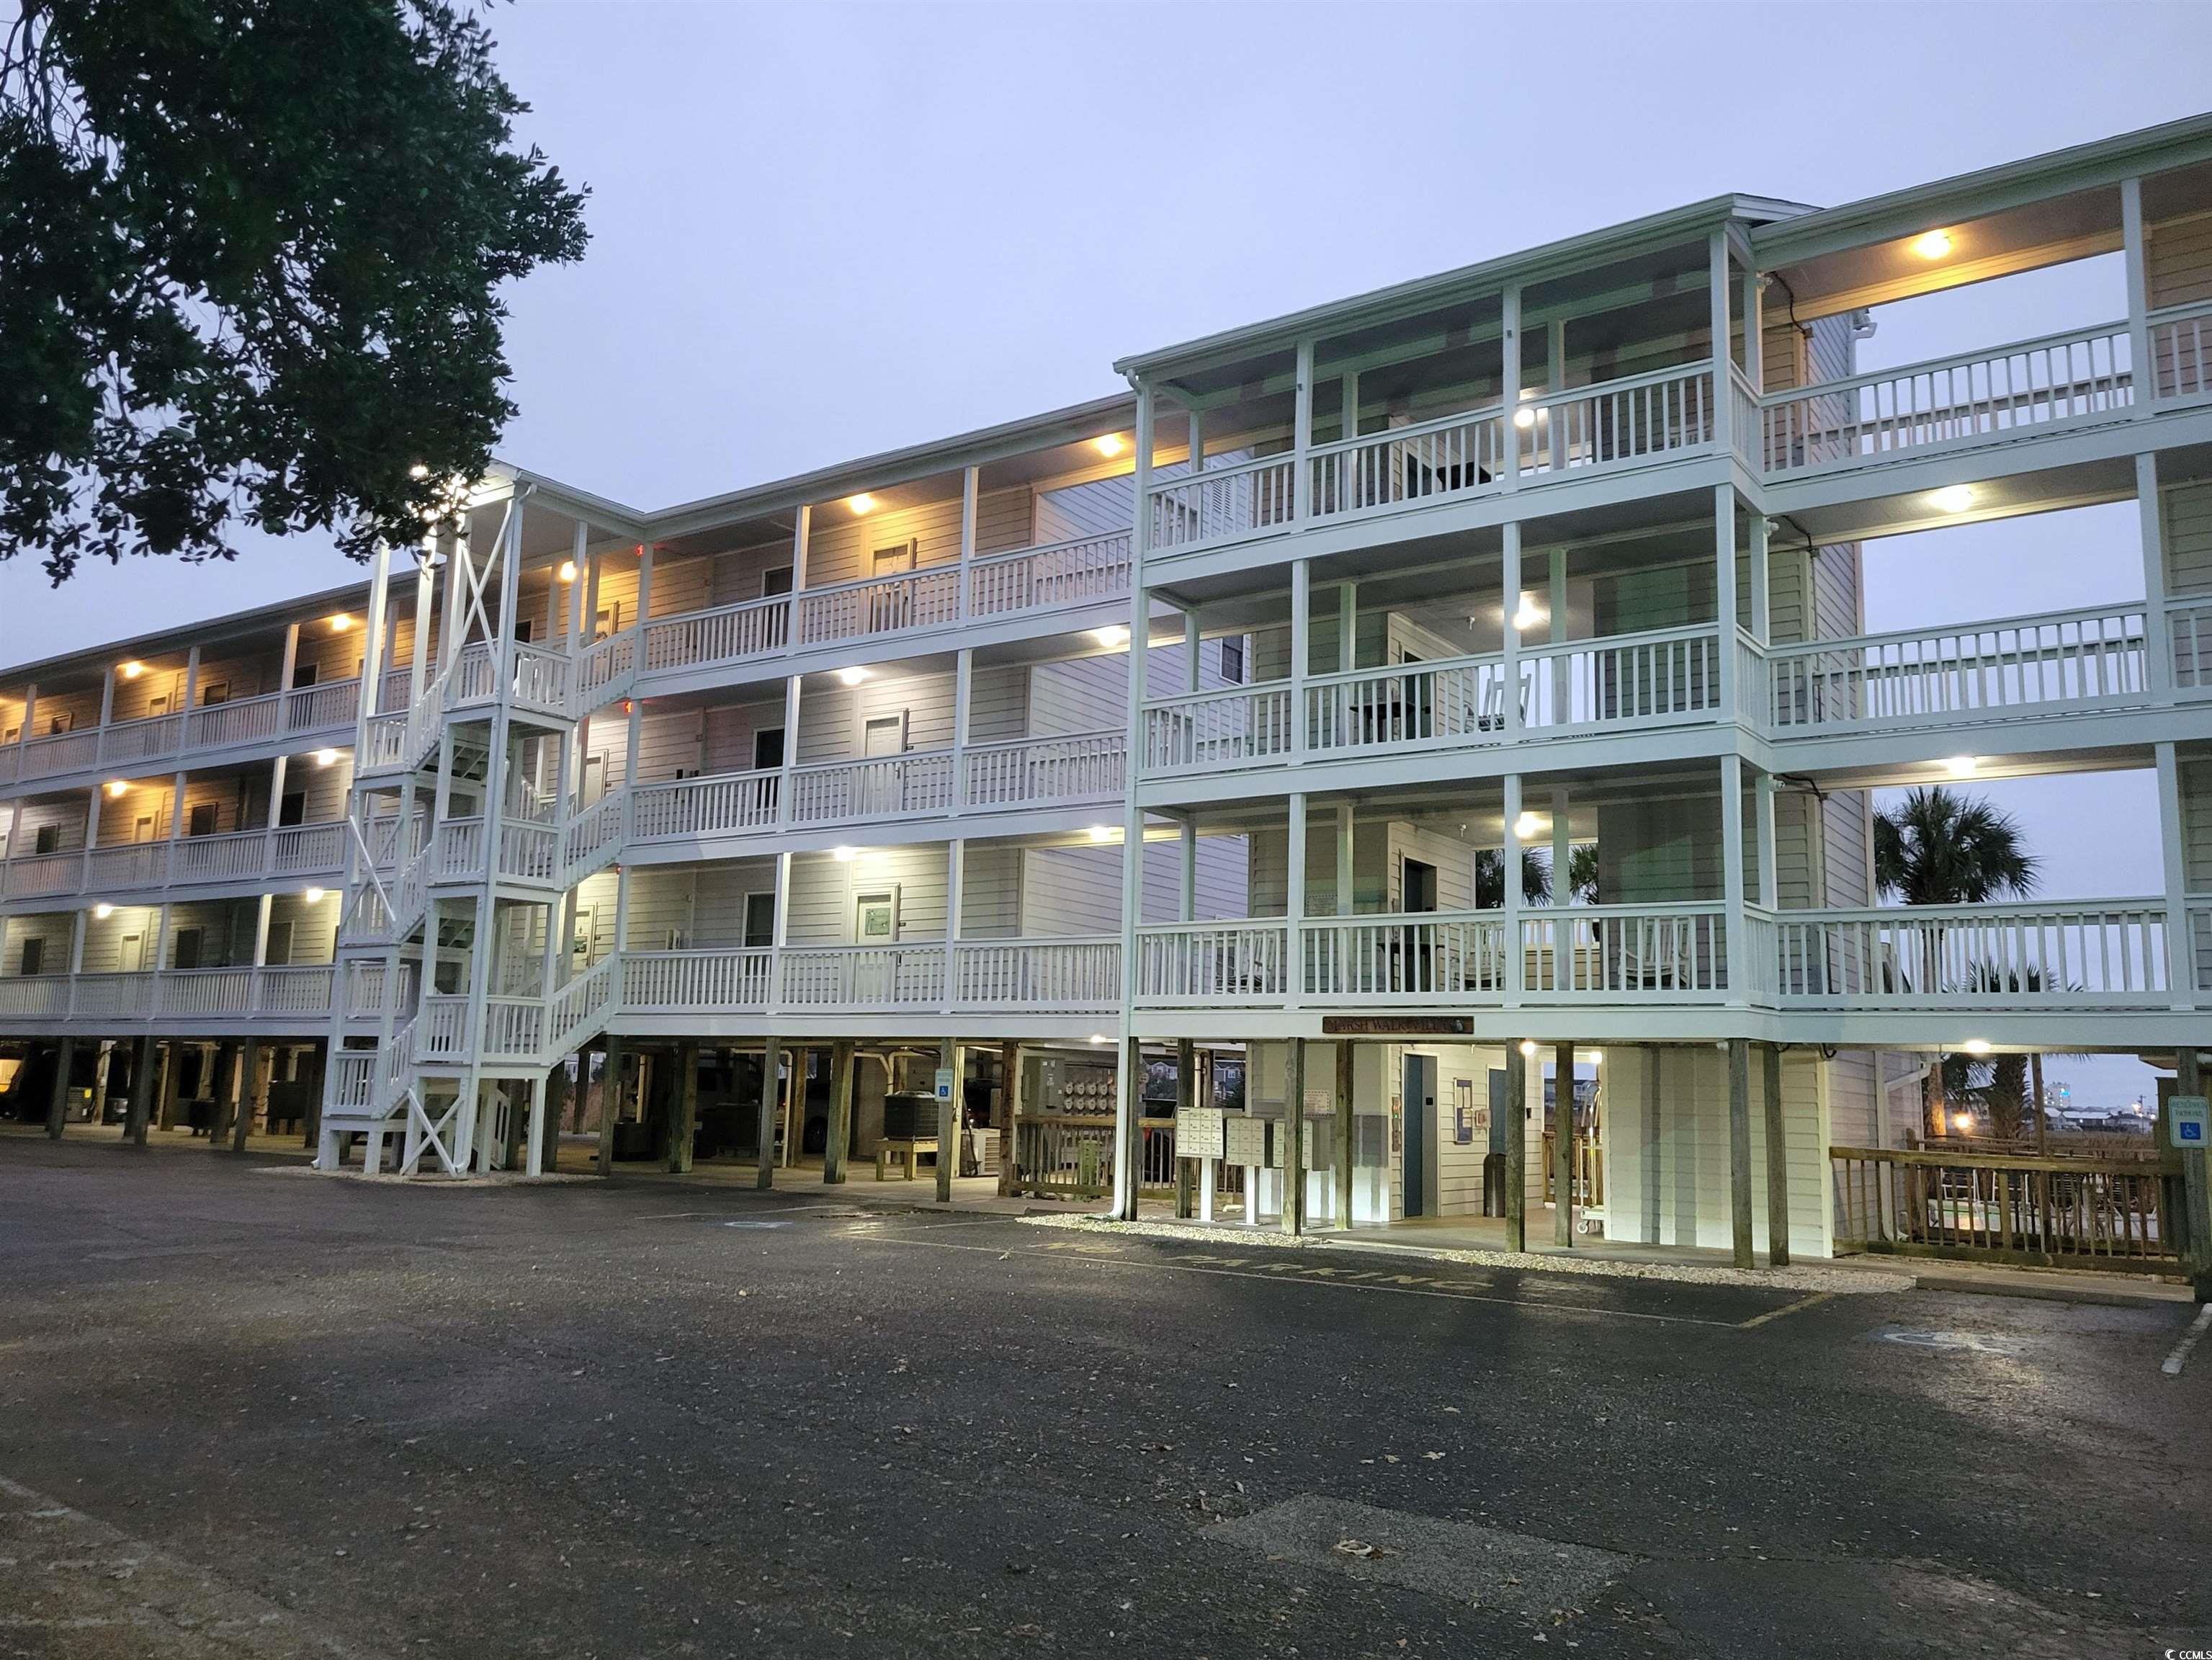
column 722, row 806
column 1192, row 963
column 888, row 786
column 1453, row 456
column 528, row 852
column 34, row 997
column 1747, row 418
column 204, row 991
column 1668, row 953
column 473, row 675
column 330, row 703
column 1933, row 677
column 2189, row 624
column 541, row 678
column 2015, row 956
column 1637, row 419
column 1655, row 679
column 880, row 604
column 579, row 1008
column 115, row 996
column 386, row 746
column 143, row 739
column 1440, row 704
column 42, row 757
column 1221, row 503
column 2080, row 375
column 1423, row 958
column 1245, row 726
column 135, row 865
column 303, row 990
column 863, row 976
column 514, row 1028
column 1077, row 573
column 41, row 874
column 350, row 1083
column 245, row 721
column 441, row 1027
column 458, row 849
column 725, row 635
column 680, row 981
column 2181, row 350
column 219, row 858
column 595, row 835
column 606, row 668
column 303, row 849
column 1038, row 771
column 1044, row 974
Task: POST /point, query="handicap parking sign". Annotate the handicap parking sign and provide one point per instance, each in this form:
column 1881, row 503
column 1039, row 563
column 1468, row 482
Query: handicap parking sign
column 2187, row 1118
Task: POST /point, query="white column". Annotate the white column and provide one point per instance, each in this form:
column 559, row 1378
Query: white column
column 1187, row 876
column 285, row 669
column 1717, row 257
column 1563, row 850
column 579, row 556
column 964, row 692
column 418, row 658
column 645, row 585
column 781, row 937
column 2158, row 622
column 76, row 950
column 1192, row 640
column 106, row 697
column 1739, row 966
column 1770, row 873
column 1132, row 817
column 1762, row 588
column 1302, row 434
column 784, row 783
column 970, row 483
column 2180, row 943
column 1295, row 904
column 1347, row 626
column 956, row 872
column 1344, row 860
column 2131, row 243
column 1509, row 435
column 192, row 696
column 1555, row 635
column 1515, row 958
column 1510, row 668
column 1752, row 300
column 1301, row 651
column 91, row 836
column 278, row 770
column 1725, row 588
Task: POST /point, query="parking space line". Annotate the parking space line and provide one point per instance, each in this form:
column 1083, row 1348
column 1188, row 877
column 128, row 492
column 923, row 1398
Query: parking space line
column 1101, row 1260
column 1818, row 1297
column 2175, row 1361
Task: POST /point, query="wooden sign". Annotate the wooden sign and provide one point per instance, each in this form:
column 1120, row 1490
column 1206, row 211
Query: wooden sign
column 1397, row 1025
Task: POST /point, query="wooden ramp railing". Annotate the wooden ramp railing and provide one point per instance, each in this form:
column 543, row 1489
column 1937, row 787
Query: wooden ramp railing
column 2117, row 1211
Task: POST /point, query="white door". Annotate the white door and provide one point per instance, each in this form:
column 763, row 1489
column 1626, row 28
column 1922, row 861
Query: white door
column 881, row 788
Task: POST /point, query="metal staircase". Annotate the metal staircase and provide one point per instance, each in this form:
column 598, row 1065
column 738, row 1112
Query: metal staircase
column 445, row 1059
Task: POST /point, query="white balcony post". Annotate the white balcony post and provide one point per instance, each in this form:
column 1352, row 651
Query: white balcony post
column 1563, row 845
column 1345, row 836
column 645, row 563
column 622, row 910
column 177, row 782
column 956, row 871
column 261, row 946
column 784, row 781
column 2144, row 373
column 1301, row 649
column 76, row 952
column 160, row 939
column 802, row 533
column 1770, row 872
column 1732, row 874
column 2158, row 624
column 1555, row 637
column 2180, row 944
column 579, row 556
column 782, row 936
column 91, row 836
column 278, row 769
column 1762, row 587
column 1347, row 626
column 1132, row 817
column 107, row 701
column 1509, row 394
column 30, row 714
column 1294, row 904
column 1192, row 640
column 1516, row 958
column 1509, row 634
column 964, row 692
column 418, row 655
column 1724, row 593
column 1301, row 435
column 1717, row 256
column 285, row 666
column 1754, row 327
column 1187, row 869
column 191, row 697
column 970, row 479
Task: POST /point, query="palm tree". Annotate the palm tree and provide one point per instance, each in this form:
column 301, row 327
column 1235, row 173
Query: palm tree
column 1938, row 847
column 1490, row 878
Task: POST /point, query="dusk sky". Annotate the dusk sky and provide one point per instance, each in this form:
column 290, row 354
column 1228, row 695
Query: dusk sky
column 820, row 231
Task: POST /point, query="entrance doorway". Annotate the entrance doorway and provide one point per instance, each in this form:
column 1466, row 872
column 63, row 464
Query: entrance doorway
column 1420, row 1121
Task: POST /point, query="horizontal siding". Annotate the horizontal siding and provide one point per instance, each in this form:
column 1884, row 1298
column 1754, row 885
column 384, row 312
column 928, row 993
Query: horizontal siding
column 2177, row 260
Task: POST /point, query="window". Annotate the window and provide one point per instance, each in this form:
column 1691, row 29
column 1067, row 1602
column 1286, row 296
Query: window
column 49, row 839
column 893, row 561
column 1232, row 661
column 187, row 951
column 292, row 808
column 775, row 580
column 304, row 675
column 279, row 953
column 200, row 820
column 760, row 919
column 768, row 748
column 884, row 735
column 57, row 725
column 216, row 692
column 14, row 734
column 34, row 956
column 524, row 628
column 143, row 830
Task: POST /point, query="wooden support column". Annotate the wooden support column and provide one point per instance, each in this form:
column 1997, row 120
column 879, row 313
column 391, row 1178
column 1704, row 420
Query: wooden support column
column 1739, row 1078
column 683, row 1108
column 1128, row 1129
column 318, row 1062
column 838, row 1134
column 1185, row 1062
column 57, row 1102
column 1777, row 1160
column 1563, row 1137
column 1294, row 1139
column 1516, row 1146
column 1348, row 1128
column 1009, row 1106
column 771, row 1102
column 2196, row 1191
column 610, row 1068
column 548, row 1128
column 953, row 1057
column 249, row 1072
column 172, row 1083
column 145, row 1069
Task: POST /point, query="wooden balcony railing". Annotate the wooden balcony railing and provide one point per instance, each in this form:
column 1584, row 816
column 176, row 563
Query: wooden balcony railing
column 2109, row 1212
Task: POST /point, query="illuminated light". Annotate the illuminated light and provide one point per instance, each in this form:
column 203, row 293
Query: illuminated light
column 418, row 471
column 1976, row 1046
column 1952, row 498
column 1530, row 615
column 325, row 757
column 1933, row 246
column 130, row 671
column 1113, row 636
column 853, row 677
column 1529, row 1049
column 1962, row 766
column 341, row 622
column 1100, row 1037
column 103, row 910
column 1527, row 827
column 844, row 855
column 1110, row 444
column 627, row 705
column 862, row 503
column 1524, row 419
column 1962, row 1121
column 1105, row 833
column 115, row 788
column 312, row 896
column 568, row 570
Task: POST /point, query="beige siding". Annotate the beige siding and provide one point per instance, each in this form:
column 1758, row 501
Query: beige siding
column 2177, row 260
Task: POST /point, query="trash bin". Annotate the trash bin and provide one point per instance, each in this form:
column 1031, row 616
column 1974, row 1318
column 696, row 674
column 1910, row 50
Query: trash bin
column 1493, row 1184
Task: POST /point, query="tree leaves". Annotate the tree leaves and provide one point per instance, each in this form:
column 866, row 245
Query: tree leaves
column 250, row 255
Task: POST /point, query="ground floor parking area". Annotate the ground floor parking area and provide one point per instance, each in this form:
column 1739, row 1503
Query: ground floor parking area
column 248, row 1409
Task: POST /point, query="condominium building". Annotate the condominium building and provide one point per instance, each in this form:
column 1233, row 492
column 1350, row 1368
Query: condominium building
column 1374, row 712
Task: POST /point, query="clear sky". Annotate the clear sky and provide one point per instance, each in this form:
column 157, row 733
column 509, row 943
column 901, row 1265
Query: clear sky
column 823, row 230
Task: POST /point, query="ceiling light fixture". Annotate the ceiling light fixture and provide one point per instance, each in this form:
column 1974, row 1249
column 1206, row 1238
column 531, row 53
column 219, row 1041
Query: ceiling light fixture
column 1952, row 498
column 341, row 622
column 1527, row 827
column 325, row 757
column 853, row 675
column 1110, row 445
column 103, row 910
column 115, row 788
column 1933, row 246
column 862, row 503
column 1529, row 616
column 1962, row 766
column 1976, row 1046
column 130, row 671
column 568, row 570
column 1113, row 636
column 844, row 855
column 1529, row 1049
column 313, row 895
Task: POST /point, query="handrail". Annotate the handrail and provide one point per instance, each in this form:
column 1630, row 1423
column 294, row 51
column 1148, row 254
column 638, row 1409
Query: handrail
column 1774, row 649
column 1788, row 395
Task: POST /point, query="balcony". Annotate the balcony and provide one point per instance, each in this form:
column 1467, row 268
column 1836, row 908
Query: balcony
column 2108, row 955
column 1010, row 977
column 292, row 999
column 295, row 850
